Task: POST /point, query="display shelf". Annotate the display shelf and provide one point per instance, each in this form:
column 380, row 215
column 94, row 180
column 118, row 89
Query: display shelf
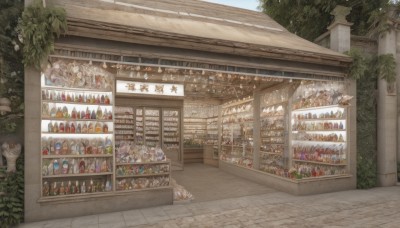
column 81, row 134
column 143, row 175
column 317, row 142
column 77, row 120
column 275, row 104
column 143, row 163
column 60, row 88
column 143, row 189
column 77, row 103
column 336, row 130
column 94, row 143
column 78, row 175
column 319, row 119
column 318, row 107
column 319, row 163
column 78, row 156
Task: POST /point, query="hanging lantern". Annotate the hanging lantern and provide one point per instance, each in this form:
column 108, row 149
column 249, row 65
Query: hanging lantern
column 4, row 105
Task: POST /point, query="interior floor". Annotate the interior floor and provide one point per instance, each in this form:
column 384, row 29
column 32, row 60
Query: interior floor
column 208, row 183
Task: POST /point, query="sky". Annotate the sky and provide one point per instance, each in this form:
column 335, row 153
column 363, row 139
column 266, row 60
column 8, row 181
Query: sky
column 245, row 4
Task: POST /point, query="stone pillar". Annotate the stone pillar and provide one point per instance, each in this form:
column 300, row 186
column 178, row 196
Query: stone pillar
column 340, row 41
column 387, row 120
column 340, row 30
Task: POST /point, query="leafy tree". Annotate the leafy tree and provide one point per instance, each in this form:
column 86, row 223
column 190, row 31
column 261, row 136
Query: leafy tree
column 310, row 18
column 11, row 67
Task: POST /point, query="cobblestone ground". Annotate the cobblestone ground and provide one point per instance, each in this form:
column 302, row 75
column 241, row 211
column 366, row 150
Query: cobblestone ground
column 379, row 207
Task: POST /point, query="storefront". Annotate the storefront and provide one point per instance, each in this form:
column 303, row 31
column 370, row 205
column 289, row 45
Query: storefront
column 135, row 87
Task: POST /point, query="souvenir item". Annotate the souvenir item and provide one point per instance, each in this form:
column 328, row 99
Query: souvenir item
column 55, row 128
column 82, row 166
column 67, row 128
column 72, row 128
column 46, row 189
column 74, row 114
column 56, row 167
column 105, row 128
column 65, row 147
column 85, row 128
column 98, row 128
column 61, row 128
column 50, row 127
column 68, row 188
column 78, row 129
column 99, row 113
column 93, row 115
column 90, row 128
column 83, row 187
column 62, row 189
column 87, row 114
column 54, row 189
column 57, row 148
column 65, row 167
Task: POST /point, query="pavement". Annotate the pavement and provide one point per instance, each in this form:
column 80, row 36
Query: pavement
column 378, row 207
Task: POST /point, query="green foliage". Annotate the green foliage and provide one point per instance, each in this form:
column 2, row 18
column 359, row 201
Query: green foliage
column 11, row 67
column 387, row 68
column 365, row 69
column 359, row 64
column 310, row 18
column 12, row 202
column 41, row 26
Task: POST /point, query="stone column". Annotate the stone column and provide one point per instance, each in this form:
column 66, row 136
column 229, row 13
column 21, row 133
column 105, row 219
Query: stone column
column 340, row 30
column 340, row 41
column 387, row 120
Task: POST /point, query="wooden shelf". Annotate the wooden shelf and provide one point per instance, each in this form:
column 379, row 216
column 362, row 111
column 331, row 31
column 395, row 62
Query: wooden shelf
column 315, row 142
column 296, row 131
column 50, row 133
column 143, row 175
column 318, row 119
column 76, row 103
column 78, row 156
column 77, row 175
column 143, row 163
column 319, row 107
column 48, row 87
column 319, row 163
column 77, row 120
column 143, row 189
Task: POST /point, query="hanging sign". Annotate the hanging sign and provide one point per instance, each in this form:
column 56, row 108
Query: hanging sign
column 147, row 88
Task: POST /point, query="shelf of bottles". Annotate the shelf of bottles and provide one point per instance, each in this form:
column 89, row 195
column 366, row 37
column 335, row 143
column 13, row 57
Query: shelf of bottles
column 77, row 130
column 237, row 133
column 212, row 135
column 273, row 131
column 141, row 168
column 171, row 133
column 319, row 133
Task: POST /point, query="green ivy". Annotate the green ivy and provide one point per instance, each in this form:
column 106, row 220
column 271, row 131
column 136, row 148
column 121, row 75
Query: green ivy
column 12, row 202
column 40, row 27
column 365, row 70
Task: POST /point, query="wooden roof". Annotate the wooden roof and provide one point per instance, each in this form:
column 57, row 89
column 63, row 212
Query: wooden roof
column 195, row 25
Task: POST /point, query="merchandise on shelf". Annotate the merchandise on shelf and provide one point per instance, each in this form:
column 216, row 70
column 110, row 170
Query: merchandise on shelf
column 130, row 153
column 273, row 116
column 237, row 133
column 76, row 130
column 127, row 184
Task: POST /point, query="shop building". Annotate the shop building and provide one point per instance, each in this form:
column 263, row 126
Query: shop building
column 136, row 86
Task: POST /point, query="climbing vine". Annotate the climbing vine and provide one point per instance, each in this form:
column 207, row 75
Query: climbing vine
column 367, row 70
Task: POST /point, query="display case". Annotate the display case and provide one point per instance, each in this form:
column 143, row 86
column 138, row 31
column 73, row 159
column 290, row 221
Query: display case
column 171, row 133
column 77, row 132
column 152, row 126
column 141, row 167
column 319, row 131
column 124, row 125
column 274, row 131
column 237, row 133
